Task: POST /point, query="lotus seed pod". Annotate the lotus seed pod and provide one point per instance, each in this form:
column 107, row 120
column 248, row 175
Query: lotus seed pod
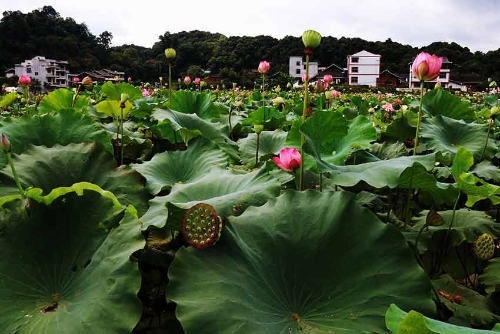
column 124, row 97
column 258, row 128
column 201, row 226
column 170, row 53
column 311, row 38
column 495, row 110
column 484, row 247
column 87, row 83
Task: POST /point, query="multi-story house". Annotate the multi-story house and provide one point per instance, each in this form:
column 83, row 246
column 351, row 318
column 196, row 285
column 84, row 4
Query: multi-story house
column 51, row 73
column 444, row 75
column 297, row 67
column 363, row 68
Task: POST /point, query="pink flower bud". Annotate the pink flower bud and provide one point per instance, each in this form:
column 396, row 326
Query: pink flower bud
column 289, row 159
column 264, row 67
column 24, row 80
column 187, row 80
column 6, row 145
column 129, row 79
column 76, row 80
column 328, row 78
column 426, row 67
column 197, row 81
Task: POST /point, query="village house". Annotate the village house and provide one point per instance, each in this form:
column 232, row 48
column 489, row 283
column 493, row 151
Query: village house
column 297, row 67
column 51, row 73
column 363, row 68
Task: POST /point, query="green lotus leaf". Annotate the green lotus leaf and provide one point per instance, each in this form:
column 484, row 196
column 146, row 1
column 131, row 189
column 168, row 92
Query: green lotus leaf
column 491, row 276
column 112, row 109
column 229, row 193
column 486, row 170
column 400, row 129
column 62, row 128
column 359, row 136
column 191, row 125
column 67, row 272
column 270, row 143
column 171, row 167
column 113, row 91
column 417, row 177
column 292, row 266
column 445, row 134
column 379, row 174
column 399, row 321
column 476, row 309
column 200, row 104
column 8, row 99
column 440, row 102
column 270, row 117
column 324, row 127
column 63, row 166
column 467, row 226
column 62, row 99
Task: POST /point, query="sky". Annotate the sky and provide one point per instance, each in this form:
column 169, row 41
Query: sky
column 471, row 23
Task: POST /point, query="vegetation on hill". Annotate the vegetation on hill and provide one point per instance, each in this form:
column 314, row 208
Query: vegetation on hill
column 44, row 32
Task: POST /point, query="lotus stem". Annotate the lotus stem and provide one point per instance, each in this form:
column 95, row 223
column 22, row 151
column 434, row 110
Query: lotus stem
column 170, row 84
column 490, row 123
column 419, row 116
column 16, row 178
column 121, row 136
column 257, row 150
column 304, row 113
column 448, row 232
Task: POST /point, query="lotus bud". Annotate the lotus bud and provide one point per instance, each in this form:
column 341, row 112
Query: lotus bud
column 24, row 80
column 433, row 218
column 124, row 97
column 371, row 110
column 438, row 85
column 6, row 145
column 426, row 67
column 289, row 85
column 277, row 102
column 129, row 79
column 76, row 80
column 311, row 38
column 328, row 95
column 87, row 83
column 264, row 67
column 258, row 128
column 234, row 85
column 170, row 53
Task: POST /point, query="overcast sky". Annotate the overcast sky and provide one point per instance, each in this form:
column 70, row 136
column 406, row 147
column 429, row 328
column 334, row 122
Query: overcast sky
column 474, row 24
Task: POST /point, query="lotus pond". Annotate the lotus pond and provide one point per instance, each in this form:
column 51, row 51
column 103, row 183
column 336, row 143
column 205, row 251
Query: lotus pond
column 151, row 214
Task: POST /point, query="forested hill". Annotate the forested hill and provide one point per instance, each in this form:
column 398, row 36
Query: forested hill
column 44, row 32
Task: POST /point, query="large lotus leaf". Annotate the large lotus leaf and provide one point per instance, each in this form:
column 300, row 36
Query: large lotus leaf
column 467, row 226
column 63, row 128
column 8, row 99
column 112, row 108
column 324, row 127
column 441, row 102
column 446, row 134
column 196, row 103
column 304, row 262
column 171, row 167
column 475, row 308
column 227, row 192
column 65, row 272
column 359, row 136
column 271, row 118
column 400, row 129
column 491, row 276
column 417, row 177
column 62, row 166
column 270, row 143
column 399, row 321
column 114, row 91
column 191, row 125
column 486, row 170
column 379, row 174
column 61, row 99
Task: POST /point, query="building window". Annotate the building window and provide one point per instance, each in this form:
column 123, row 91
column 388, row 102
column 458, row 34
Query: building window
column 297, row 71
column 354, row 69
column 36, row 73
column 297, row 63
column 354, row 80
column 304, row 66
column 28, row 70
column 355, row 60
column 442, row 75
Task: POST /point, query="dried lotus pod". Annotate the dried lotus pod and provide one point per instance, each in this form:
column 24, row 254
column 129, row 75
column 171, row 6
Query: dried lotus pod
column 201, row 226
column 484, row 247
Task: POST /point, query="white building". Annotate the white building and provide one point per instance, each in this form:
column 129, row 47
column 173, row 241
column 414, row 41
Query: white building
column 444, row 75
column 297, row 67
column 51, row 73
column 363, row 68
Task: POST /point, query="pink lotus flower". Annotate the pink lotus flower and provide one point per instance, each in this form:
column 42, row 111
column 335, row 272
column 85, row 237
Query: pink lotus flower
column 426, row 67
column 336, row 94
column 197, row 81
column 320, row 86
column 327, row 78
column 187, row 79
column 24, row 80
column 129, row 79
column 289, row 159
column 264, row 67
column 388, row 107
column 76, row 80
column 146, row 93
